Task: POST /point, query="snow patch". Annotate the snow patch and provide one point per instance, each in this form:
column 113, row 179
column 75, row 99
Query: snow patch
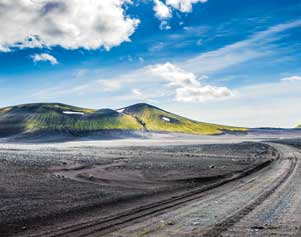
column 120, row 110
column 73, row 112
column 166, row 119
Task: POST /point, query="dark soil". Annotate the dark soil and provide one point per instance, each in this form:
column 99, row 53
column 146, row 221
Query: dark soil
column 44, row 185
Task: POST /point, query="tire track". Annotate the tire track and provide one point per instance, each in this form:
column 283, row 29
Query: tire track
column 223, row 226
column 104, row 226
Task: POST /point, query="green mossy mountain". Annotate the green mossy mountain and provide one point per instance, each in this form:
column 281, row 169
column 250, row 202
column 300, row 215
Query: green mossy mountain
column 61, row 118
column 155, row 119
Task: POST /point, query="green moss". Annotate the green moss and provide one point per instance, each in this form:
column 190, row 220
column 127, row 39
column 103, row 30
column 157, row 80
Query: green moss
column 62, row 122
column 154, row 121
column 51, row 117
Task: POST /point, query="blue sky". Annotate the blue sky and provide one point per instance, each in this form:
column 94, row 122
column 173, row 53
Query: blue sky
column 229, row 62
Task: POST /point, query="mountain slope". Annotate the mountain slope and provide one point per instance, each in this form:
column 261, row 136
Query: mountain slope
column 155, row 119
column 61, row 118
column 46, row 118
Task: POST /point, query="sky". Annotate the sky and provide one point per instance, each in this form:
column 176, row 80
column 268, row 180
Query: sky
column 228, row 62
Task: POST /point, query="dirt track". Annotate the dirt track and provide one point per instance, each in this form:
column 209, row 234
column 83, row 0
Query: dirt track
column 246, row 189
column 47, row 187
column 266, row 203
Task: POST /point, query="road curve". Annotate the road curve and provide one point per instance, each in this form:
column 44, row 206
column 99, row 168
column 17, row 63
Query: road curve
column 221, row 209
column 280, row 214
column 107, row 225
column 265, row 203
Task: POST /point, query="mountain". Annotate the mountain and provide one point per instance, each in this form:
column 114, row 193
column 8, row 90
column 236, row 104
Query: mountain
column 46, row 118
column 155, row 119
column 33, row 118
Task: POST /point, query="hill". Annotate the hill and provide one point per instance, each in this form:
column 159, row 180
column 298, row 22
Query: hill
column 32, row 118
column 45, row 118
column 155, row 119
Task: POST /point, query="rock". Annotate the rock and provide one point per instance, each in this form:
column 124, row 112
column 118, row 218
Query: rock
column 170, row 223
column 196, row 223
column 256, row 228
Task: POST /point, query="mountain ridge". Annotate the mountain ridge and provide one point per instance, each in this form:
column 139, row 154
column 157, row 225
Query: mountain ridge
column 77, row 121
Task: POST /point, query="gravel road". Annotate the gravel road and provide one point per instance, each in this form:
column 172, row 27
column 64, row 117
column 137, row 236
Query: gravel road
column 266, row 203
column 49, row 187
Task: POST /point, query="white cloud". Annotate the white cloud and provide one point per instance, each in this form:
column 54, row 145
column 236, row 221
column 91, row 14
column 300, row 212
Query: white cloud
column 175, row 75
column 164, row 25
column 44, row 57
column 202, row 93
column 108, row 85
column 71, row 24
column 261, row 105
column 74, row 24
column 292, row 78
column 258, row 45
column 161, row 10
column 183, row 5
column 171, row 83
column 183, row 80
column 137, row 92
column 188, row 88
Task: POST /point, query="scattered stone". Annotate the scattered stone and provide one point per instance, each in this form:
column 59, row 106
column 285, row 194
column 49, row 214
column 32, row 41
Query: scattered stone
column 257, row 227
column 196, row 223
column 170, row 223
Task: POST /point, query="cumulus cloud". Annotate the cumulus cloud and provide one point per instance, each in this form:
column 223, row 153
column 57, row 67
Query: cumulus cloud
column 171, row 81
column 183, row 5
column 292, row 78
column 74, row 24
column 71, row 24
column 202, row 93
column 188, row 87
column 44, row 57
column 162, row 11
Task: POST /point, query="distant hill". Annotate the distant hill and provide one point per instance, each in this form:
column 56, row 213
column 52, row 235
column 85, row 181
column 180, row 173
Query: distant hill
column 298, row 126
column 155, row 119
column 65, row 119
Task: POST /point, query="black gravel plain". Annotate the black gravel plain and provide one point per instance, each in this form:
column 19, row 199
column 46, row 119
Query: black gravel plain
column 46, row 184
